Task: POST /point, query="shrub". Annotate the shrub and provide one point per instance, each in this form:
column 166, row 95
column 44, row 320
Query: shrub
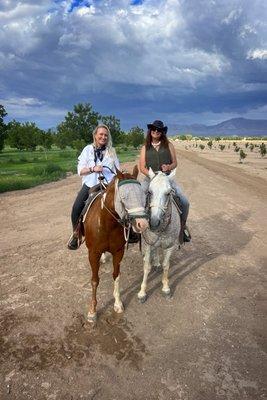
column 202, row 146
column 263, row 149
column 222, row 147
column 242, row 156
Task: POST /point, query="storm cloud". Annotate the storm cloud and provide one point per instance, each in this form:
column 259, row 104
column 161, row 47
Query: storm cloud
column 178, row 60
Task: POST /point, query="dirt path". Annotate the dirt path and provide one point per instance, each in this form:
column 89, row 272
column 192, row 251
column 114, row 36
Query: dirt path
column 206, row 342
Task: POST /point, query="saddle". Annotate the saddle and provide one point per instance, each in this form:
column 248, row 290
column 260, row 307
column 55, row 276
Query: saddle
column 93, row 193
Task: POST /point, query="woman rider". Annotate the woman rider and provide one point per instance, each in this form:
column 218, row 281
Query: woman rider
column 91, row 162
column 159, row 154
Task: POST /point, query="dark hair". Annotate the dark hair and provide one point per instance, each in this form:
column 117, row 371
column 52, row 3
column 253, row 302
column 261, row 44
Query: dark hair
column 163, row 138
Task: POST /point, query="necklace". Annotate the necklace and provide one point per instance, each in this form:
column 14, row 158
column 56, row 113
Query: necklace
column 155, row 144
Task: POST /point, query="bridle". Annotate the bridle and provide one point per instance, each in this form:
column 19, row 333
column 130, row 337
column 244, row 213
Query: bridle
column 129, row 215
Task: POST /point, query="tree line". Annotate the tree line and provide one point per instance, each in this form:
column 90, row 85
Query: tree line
column 76, row 130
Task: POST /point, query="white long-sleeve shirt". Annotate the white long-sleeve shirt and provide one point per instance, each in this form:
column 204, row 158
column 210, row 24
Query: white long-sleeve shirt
column 87, row 159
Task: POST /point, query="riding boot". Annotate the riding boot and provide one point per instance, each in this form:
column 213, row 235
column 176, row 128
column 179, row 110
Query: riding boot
column 73, row 243
column 134, row 237
column 184, row 235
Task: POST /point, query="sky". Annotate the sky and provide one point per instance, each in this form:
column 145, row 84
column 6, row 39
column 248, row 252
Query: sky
column 180, row 61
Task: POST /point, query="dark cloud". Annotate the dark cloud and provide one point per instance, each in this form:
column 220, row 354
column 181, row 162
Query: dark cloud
column 133, row 59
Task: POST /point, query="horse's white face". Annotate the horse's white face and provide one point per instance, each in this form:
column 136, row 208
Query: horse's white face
column 159, row 189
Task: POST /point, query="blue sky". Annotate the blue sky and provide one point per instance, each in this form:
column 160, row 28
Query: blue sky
column 182, row 61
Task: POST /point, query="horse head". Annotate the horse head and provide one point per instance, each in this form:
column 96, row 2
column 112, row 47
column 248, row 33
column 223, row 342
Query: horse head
column 159, row 196
column 130, row 200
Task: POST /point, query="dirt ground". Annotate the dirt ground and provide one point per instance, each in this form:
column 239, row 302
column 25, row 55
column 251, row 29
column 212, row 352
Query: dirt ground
column 205, row 343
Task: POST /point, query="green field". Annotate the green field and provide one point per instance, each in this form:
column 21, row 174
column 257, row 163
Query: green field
column 25, row 169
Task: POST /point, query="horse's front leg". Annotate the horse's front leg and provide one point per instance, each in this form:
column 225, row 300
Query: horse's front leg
column 142, row 296
column 165, row 277
column 117, row 257
column 94, row 260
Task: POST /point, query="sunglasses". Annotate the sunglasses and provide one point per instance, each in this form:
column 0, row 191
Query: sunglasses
column 154, row 129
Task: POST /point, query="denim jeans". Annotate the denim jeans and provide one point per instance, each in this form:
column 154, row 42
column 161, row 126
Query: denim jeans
column 78, row 205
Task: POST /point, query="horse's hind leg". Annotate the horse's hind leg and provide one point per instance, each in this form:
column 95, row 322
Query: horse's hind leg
column 165, row 278
column 142, row 296
column 117, row 257
column 94, row 260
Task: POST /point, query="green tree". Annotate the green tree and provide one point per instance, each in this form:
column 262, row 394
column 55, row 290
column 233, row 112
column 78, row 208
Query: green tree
column 78, row 124
column 210, row 144
column 263, row 149
column 136, row 136
column 3, row 127
column 47, row 139
column 114, row 126
column 24, row 136
column 242, row 155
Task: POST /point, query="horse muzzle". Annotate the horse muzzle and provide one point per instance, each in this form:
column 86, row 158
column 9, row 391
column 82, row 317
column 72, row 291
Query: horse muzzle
column 140, row 225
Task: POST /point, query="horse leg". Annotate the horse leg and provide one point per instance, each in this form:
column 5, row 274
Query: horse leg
column 117, row 257
column 142, row 296
column 165, row 279
column 94, row 259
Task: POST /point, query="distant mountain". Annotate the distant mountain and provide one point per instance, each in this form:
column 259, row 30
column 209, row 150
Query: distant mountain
column 234, row 126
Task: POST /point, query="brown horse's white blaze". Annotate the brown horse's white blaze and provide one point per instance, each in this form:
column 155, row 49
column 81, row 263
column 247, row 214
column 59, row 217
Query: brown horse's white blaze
column 104, row 232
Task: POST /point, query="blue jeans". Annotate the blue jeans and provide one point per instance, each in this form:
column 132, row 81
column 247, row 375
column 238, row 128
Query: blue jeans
column 183, row 199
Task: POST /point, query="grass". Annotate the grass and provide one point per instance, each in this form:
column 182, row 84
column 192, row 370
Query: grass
column 26, row 169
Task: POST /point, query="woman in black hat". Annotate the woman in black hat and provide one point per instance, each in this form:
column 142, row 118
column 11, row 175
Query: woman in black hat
column 159, row 154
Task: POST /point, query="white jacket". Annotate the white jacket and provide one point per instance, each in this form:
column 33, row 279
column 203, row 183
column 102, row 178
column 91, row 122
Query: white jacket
column 87, row 159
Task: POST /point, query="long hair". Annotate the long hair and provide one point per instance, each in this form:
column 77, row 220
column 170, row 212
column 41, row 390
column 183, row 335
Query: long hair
column 163, row 138
column 110, row 149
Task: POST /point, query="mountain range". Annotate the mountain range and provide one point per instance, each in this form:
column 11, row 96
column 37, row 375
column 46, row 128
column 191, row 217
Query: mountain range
column 234, row 126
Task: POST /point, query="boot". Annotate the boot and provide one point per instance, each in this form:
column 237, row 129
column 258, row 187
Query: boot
column 184, row 235
column 73, row 243
column 134, row 237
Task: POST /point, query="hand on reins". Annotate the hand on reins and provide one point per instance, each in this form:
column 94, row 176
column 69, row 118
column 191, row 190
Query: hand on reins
column 165, row 168
column 98, row 168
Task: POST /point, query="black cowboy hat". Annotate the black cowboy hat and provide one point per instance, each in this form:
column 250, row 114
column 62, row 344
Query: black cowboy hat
column 159, row 125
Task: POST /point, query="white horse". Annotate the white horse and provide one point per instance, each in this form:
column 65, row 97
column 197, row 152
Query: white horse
column 165, row 224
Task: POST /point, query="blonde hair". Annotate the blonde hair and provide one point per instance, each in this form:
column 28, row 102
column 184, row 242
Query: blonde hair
column 110, row 149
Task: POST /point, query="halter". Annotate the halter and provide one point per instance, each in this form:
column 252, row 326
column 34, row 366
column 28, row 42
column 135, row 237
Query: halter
column 129, row 214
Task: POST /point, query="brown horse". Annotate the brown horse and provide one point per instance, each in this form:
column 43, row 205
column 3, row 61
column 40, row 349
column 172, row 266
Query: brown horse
column 104, row 229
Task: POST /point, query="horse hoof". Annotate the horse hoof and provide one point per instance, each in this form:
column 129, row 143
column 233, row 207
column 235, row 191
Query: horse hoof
column 118, row 308
column 167, row 294
column 91, row 318
column 142, row 299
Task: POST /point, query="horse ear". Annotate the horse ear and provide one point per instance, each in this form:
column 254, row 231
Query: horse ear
column 172, row 174
column 118, row 173
column 151, row 173
column 135, row 172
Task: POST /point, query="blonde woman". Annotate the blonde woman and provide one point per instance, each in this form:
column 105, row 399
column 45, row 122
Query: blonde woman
column 91, row 162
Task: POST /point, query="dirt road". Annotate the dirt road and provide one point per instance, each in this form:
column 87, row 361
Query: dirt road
column 205, row 343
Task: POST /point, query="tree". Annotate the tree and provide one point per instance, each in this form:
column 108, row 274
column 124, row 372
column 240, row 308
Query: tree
column 114, row 126
column 136, row 136
column 242, row 156
column 3, row 127
column 222, row 147
column 202, row 146
column 79, row 124
column 25, row 136
column 210, row 144
column 263, row 149
column 46, row 139
column 251, row 146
